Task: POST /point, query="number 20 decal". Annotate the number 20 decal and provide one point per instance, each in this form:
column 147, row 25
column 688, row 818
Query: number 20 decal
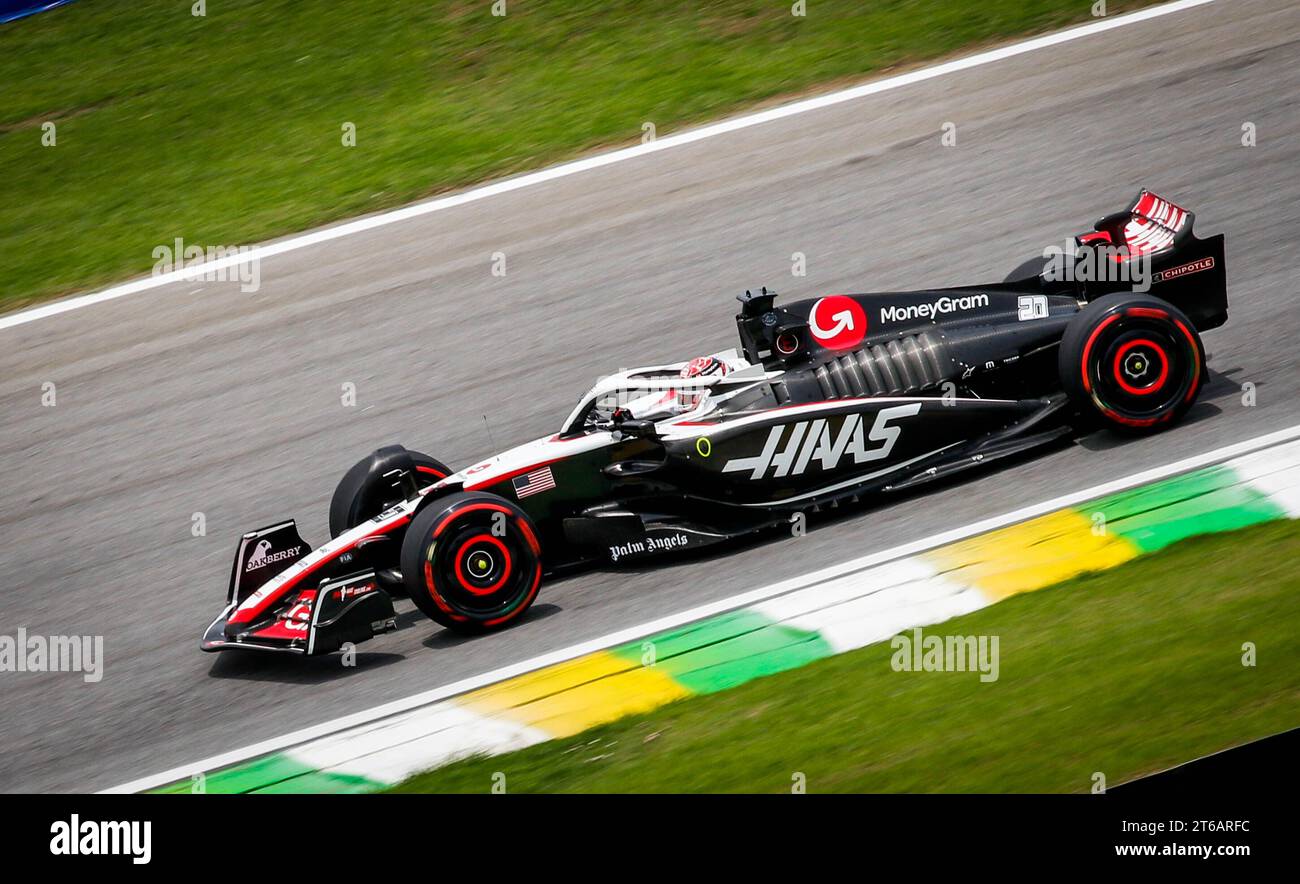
column 1032, row 307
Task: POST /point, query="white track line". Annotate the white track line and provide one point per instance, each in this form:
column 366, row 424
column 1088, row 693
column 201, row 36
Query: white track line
column 674, row 620
column 595, row 162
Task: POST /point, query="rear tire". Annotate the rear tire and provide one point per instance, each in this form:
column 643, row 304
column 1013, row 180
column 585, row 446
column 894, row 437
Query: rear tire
column 1133, row 360
column 471, row 562
column 364, row 493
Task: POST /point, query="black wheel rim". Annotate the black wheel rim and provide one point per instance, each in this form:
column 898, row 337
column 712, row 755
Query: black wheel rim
column 1141, row 368
column 480, row 565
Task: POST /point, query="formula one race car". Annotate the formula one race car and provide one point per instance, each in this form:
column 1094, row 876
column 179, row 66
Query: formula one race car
column 827, row 399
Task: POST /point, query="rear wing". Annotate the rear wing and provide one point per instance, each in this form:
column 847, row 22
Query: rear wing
column 1155, row 237
column 1150, row 225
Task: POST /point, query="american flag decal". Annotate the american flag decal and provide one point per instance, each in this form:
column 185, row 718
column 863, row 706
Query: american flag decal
column 533, row 483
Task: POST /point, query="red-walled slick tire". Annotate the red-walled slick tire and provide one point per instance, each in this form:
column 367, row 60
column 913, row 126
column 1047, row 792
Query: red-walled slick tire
column 1134, row 361
column 471, row 562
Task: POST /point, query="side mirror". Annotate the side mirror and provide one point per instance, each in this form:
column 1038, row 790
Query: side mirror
column 403, row 483
column 636, row 429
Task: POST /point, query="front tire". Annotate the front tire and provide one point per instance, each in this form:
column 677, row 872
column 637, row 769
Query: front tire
column 1135, row 361
column 471, row 562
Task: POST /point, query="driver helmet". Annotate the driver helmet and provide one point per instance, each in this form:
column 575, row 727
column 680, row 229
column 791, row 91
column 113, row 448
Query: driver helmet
column 672, row 402
column 704, row 365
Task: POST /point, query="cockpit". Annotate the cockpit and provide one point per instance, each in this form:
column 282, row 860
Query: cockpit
column 659, row 393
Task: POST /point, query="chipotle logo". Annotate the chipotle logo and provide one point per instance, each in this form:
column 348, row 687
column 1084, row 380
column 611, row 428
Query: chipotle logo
column 1184, row 269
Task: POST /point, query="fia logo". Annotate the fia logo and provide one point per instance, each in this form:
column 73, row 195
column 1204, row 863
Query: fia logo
column 811, row 442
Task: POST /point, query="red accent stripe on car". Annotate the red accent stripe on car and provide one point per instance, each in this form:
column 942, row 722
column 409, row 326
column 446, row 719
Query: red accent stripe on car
column 504, row 477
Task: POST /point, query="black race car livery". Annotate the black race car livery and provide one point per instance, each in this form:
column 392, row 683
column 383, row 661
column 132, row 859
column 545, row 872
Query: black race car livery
column 826, row 400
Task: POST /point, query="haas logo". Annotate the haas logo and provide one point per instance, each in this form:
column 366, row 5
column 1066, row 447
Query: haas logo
column 838, row 322
column 812, row 442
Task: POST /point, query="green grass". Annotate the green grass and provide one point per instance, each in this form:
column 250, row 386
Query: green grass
column 1125, row 672
column 226, row 130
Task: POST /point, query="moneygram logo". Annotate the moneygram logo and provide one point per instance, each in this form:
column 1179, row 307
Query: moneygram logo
column 838, row 322
column 936, row 308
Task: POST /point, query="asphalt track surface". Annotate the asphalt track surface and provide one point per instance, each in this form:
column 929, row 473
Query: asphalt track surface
column 200, row 398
